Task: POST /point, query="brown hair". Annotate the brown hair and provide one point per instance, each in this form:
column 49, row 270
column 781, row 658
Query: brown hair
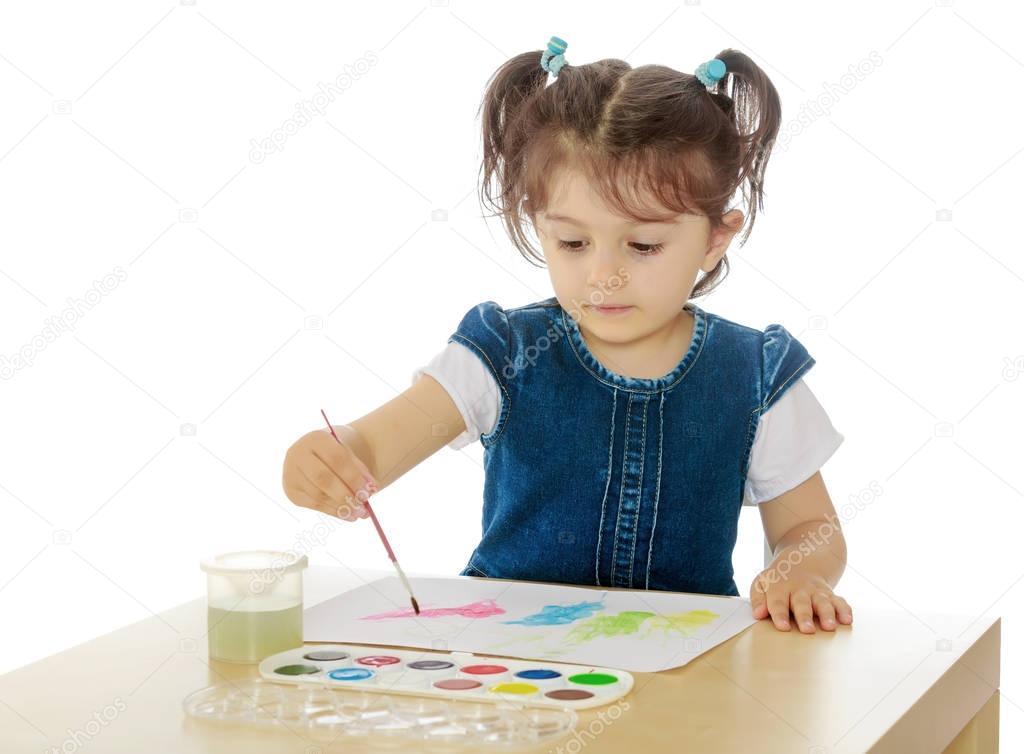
column 631, row 131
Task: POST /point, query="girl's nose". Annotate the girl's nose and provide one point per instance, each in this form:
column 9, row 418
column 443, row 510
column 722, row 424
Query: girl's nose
column 605, row 265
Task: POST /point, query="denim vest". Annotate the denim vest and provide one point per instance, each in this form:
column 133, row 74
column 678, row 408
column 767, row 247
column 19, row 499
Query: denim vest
column 592, row 477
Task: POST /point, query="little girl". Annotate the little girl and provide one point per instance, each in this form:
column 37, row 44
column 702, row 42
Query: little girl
column 623, row 426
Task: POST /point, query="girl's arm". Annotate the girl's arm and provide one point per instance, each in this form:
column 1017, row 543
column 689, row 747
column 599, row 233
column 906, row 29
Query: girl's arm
column 334, row 478
column 406, row 430
column 809, row 556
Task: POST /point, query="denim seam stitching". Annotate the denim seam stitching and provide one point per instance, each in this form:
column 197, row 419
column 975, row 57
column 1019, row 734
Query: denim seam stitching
column 786, row 381
column 599, row 378
column 607, row 484
column 745, row 458
column 657, row 489
column 622, row 489
column 639, row 490
column 535, row 305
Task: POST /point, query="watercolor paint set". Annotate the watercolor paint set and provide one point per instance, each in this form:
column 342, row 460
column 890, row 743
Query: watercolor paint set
column 448, row 675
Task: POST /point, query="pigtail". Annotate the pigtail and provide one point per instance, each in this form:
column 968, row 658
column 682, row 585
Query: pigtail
column 507, row 97
column 748, row 97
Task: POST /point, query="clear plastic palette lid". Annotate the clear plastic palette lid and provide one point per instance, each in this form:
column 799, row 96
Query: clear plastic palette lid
column 331, row 714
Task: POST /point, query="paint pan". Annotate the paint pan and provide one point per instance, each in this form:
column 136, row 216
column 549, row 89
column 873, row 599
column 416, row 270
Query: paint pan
column 448, row 675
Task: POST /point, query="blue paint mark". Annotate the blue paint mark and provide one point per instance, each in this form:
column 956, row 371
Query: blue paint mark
column 558, row 615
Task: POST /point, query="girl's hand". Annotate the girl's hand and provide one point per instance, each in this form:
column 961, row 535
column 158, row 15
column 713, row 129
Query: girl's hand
column 325, row 475
column 804, row 592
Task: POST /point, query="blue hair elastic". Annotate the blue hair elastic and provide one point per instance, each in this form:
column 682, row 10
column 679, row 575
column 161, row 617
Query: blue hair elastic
column 710, row 72
column 553, row 58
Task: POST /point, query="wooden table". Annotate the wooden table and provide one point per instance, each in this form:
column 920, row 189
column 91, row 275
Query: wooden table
column 890, row 683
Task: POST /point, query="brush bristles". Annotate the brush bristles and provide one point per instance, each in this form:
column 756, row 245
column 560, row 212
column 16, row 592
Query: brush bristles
column 415, row 605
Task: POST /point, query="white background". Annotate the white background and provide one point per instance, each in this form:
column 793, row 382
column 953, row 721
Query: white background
column 151, row 432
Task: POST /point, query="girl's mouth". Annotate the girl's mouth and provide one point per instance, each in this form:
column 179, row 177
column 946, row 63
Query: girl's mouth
column 612, row 309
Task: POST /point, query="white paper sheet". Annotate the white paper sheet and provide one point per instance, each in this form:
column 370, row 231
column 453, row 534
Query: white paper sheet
column 636, row 630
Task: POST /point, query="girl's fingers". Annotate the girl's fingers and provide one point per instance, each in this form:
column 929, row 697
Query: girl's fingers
column 323, row 474
column 304, row 494
column 758, row 599
column 803, row 612
column 775, row 601
column 826, row 612
column 344, row 494
column 778, row 607
column 348, row 509
column 332, row 472
column 364, row 470
column 844, row 613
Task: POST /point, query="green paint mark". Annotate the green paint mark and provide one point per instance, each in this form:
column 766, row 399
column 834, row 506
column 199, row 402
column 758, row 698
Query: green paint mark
column 606, row 626
column 593, row 679
column 685, row 623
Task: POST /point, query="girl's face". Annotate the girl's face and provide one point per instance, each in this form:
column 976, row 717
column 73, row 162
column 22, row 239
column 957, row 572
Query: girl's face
column 596, row 258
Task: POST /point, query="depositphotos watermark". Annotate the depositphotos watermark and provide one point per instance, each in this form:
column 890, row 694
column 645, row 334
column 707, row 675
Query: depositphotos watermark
column 307, row 110
column 63, row 322
column 305, row 543
column 821, row 104
column 528, row 356
column 821, row 536
column 1013, row 368
column 583, row 736
column 78, row 738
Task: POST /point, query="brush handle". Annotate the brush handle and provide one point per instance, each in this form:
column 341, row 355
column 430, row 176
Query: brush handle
column 366, row 503
column 373, row 517
column 380, row 531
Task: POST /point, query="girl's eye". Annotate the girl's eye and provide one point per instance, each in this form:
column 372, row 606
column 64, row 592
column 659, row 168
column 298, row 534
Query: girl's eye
column 568, row 245
column 645, row 250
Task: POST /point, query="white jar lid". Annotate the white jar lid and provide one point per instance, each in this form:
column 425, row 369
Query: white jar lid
column 278, row 561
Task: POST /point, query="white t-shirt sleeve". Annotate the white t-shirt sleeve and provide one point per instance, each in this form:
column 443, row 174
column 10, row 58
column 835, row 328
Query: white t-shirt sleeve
column 793, row 440
column 471, row 386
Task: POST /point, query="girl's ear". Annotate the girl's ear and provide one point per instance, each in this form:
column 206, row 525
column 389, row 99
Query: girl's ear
column 720, row 238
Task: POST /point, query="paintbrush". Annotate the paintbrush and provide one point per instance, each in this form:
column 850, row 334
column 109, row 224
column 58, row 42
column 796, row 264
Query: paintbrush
column 380, row 531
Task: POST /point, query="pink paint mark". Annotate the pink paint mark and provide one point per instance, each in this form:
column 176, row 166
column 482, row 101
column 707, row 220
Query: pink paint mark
column 481, row 609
